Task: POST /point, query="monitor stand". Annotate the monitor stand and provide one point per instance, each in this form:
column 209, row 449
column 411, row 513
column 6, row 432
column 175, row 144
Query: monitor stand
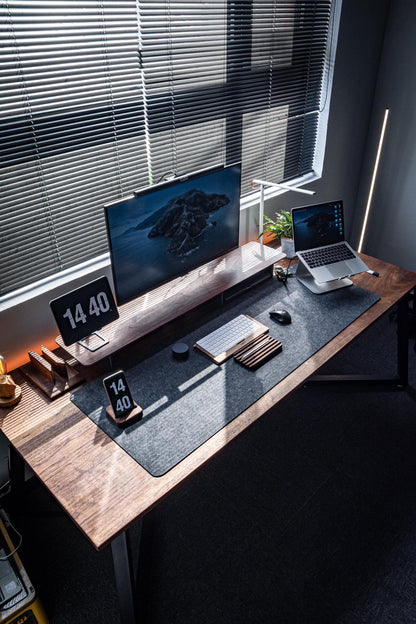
column 319, row 288
column 214, row 282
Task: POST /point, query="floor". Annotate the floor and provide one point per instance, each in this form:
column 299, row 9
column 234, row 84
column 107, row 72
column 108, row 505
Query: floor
column 307, row 517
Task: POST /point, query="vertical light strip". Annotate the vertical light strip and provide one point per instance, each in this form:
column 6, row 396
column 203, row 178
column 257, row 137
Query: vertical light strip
column 373, row 179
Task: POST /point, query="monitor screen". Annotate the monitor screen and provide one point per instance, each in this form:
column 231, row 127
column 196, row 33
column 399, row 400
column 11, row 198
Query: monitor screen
column 316, row 226
column 169, row 229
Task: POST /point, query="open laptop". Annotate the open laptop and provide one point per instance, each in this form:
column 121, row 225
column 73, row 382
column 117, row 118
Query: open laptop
column 326, row 260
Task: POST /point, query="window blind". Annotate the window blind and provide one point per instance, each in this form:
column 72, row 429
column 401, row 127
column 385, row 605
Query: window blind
column 101, row 97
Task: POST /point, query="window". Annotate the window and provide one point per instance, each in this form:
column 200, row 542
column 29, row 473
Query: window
column 101, row 97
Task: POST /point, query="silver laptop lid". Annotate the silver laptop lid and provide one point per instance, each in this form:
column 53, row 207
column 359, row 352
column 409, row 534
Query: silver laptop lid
column 318, row 225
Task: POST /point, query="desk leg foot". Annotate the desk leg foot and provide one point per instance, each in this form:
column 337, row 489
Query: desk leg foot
column 125, row 583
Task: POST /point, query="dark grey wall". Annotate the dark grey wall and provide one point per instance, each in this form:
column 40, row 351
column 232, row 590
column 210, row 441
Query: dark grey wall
column 391, row 230
column 360, row 41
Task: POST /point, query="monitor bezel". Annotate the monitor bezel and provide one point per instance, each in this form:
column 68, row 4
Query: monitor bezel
column 164, row 184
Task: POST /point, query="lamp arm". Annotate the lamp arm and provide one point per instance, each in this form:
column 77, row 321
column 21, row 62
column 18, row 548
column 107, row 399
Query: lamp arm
column 286, row 187
column 263, row 184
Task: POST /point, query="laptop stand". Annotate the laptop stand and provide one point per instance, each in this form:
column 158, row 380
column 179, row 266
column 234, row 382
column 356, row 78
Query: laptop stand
column 319, row 288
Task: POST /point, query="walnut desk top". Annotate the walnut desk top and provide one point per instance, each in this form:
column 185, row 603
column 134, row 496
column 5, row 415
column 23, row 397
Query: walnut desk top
column 99, row 485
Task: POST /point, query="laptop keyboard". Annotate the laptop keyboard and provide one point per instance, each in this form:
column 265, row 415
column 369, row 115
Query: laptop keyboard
column 327, row 255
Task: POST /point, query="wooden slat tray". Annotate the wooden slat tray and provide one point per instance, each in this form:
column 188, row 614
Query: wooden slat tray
column 52, row 374
column 258, row 351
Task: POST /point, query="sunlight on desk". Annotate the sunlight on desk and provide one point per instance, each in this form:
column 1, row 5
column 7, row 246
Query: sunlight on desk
column 210, row 370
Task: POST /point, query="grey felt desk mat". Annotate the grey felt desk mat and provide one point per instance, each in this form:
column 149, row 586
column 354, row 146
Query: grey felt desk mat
column 187, row 402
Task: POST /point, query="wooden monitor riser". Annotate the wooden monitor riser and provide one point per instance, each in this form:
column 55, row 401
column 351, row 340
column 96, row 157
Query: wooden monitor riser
column 162, row 305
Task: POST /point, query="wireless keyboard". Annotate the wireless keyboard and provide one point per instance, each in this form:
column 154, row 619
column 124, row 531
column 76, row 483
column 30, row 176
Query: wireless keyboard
column 223, row 342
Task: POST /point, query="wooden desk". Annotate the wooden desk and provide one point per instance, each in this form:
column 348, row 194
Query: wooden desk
column 103, row 489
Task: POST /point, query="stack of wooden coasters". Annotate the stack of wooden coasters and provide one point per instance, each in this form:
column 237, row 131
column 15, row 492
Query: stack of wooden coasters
column 258, row 351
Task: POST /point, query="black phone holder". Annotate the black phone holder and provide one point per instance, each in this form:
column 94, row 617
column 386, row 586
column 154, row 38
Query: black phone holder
column 89, row 341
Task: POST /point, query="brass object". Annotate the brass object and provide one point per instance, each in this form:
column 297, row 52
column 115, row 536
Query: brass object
column 10, row 393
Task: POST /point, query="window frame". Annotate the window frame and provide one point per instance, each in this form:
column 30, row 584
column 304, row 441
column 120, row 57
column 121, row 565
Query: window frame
column 233, row 149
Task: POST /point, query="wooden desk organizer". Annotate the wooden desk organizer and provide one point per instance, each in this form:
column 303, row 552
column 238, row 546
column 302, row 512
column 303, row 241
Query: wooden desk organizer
column 258, row 351
column 52, row 374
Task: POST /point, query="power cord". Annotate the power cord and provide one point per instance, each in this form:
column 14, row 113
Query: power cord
column 8, row 524
column 167, row 177
column 281, row 273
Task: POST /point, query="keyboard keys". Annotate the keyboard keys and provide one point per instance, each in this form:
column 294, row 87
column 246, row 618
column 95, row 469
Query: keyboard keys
column 228, row 337
column 327, row 255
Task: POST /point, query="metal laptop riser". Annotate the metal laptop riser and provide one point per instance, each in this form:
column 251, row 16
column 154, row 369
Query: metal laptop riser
column 319, row 288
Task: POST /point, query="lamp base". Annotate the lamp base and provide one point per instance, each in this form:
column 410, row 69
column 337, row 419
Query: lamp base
column 9, row 401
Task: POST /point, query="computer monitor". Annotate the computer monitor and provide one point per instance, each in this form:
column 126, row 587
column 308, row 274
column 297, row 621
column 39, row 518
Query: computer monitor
column 167, row 230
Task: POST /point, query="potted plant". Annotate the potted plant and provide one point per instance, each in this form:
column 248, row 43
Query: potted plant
column 281, row 229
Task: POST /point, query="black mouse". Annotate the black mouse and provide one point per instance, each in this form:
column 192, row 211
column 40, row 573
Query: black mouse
column 281, row 316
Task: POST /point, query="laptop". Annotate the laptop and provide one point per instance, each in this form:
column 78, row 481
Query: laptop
column 324, row 254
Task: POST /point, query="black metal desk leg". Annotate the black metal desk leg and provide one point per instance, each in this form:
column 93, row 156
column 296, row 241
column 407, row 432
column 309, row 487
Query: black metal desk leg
column 403, row 342
column 125, row 578
column 17, row 473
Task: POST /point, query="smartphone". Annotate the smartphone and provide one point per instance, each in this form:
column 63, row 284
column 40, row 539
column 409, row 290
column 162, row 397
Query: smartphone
column 118, row 393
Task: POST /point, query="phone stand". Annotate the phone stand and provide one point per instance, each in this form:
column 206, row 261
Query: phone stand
column 128, row 419
column 88, row 343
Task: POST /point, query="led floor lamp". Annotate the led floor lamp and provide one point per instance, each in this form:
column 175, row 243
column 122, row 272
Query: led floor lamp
column 373, row 179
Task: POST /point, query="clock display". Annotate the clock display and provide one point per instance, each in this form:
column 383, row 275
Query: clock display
column 84, row 310
column 97, row 305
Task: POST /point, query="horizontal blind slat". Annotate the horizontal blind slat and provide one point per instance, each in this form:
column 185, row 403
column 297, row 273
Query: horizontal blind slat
column 98, row 99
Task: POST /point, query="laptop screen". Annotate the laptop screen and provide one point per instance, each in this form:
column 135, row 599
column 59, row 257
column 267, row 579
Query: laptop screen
column 317, row 226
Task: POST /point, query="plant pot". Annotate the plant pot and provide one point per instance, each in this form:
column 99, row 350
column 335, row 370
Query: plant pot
column 288, row 247
column 267, row 238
